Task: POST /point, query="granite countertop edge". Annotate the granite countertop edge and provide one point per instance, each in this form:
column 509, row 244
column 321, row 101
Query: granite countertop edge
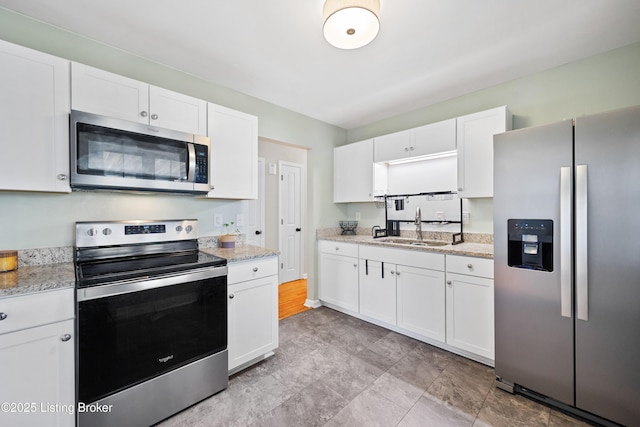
column 478, row 250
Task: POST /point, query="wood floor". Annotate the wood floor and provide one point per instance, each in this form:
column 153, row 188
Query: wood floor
column 291, row 298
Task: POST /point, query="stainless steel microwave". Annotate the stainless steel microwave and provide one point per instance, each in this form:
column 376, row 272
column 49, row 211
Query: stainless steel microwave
column 113, row 154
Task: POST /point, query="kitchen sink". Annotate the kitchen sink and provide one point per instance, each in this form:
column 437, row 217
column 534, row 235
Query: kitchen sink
column 414, row 242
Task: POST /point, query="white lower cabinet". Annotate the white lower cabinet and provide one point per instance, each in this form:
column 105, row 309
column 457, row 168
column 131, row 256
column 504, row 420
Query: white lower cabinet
column 378, row 290
column 253, row 311
column 37, row 359
column 470, row 319
column 421, row 301
column 404, row 289
column 338, row 267
column 411, row 292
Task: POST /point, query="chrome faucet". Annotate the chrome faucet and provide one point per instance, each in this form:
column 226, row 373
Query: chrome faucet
column 418, row 224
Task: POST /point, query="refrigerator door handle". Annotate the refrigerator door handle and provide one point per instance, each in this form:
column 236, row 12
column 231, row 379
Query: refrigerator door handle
column 582, row 279
column 565, row 242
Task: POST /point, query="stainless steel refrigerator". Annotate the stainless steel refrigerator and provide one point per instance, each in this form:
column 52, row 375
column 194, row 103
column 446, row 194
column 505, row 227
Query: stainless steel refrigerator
column 567, row 264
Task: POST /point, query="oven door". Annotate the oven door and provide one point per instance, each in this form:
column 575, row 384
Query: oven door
column 131, row 332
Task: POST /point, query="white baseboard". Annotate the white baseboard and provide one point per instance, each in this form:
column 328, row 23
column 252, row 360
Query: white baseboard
column 312, row 303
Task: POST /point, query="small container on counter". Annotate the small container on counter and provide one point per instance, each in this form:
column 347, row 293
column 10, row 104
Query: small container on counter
column 8, row 261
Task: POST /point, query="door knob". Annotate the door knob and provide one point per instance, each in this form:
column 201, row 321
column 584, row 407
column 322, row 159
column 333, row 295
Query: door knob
column 231, row 296
column 258, row 232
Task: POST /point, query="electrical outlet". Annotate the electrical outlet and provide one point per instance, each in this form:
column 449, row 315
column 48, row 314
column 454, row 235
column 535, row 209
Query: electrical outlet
column 440, row 215
column 217, row 220
column 240, row 220
column 465, row 218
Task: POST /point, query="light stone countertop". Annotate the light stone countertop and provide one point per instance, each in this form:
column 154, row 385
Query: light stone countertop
column 475, row 247
column 37, row 278
column 241, row 252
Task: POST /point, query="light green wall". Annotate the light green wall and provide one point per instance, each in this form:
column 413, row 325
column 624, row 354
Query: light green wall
column 600, row 83
column 38, row 220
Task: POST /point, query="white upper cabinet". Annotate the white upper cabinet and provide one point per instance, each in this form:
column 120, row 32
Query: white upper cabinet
column 108, row 94
column 34, row 120
column 353, row 177
column 435, row 138
column 234, row 153
column 421, row 141
column 173, row 110
column 393, row 146
column 100, row 92
column 475, row 150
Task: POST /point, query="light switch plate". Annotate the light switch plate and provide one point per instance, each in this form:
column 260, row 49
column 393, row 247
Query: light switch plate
column 240, row 220
column 217, row 220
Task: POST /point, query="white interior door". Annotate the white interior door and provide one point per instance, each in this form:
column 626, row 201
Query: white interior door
column 290, row 221
column 254, row 220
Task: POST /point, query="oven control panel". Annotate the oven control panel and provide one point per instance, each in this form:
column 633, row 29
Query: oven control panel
column 106, row 233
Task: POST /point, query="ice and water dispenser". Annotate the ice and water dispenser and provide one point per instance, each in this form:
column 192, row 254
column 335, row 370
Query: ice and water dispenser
column 530, row 244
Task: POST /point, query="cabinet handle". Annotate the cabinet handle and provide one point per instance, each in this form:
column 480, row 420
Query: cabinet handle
column 63, row 177
column 406, row 148
column 470, row 266
column 231, row 296
column 397, row 273
column 412, row 148
column 449, row 282
column 3, row 316
column 355, row 265
column 65, row 337
column 143, row 114
column 337, row 248
column 255, row 269
column 154, row 117
column 392, row 272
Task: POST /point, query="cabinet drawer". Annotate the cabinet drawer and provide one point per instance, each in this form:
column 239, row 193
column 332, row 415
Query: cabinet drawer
column 28, row 311
column 252, row 269
column 481, row 267
column 338, row 248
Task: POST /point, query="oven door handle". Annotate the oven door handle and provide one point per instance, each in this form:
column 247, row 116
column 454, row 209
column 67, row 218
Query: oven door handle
column 138, row 284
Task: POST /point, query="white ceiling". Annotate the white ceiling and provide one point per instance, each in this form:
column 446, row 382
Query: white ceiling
column 427, row 51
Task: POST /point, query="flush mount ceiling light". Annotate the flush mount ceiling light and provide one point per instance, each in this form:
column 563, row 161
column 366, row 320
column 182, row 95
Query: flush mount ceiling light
column 350, row 24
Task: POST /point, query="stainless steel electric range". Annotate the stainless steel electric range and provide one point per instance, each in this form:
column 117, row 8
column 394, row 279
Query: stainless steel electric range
column 151, row 321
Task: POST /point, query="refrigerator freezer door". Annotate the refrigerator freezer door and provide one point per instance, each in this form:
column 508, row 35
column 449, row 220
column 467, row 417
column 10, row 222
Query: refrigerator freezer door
column 534, row 341
column 608, row 342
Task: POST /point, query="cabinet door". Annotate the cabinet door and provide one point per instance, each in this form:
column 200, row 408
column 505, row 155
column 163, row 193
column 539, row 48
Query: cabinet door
column 37, row 370
column 173, row 110
column 339, row 281
column 378, row 290
column 234, row 153
column 253, row 319
column 435, row 138
column 34, row 120
column 421, row 301
column 475, row 150
column 101, row 92
column 470, row 314
column 393, row 146
column 353, row 172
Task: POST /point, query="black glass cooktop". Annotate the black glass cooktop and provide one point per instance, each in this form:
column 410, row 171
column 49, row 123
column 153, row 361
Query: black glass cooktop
column 108, row 265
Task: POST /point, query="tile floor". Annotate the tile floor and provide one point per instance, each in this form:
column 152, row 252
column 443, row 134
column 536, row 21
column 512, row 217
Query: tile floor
column 335, row 370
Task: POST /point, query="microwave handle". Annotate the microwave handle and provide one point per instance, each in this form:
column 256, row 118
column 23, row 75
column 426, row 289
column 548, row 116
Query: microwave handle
column 191, row 170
